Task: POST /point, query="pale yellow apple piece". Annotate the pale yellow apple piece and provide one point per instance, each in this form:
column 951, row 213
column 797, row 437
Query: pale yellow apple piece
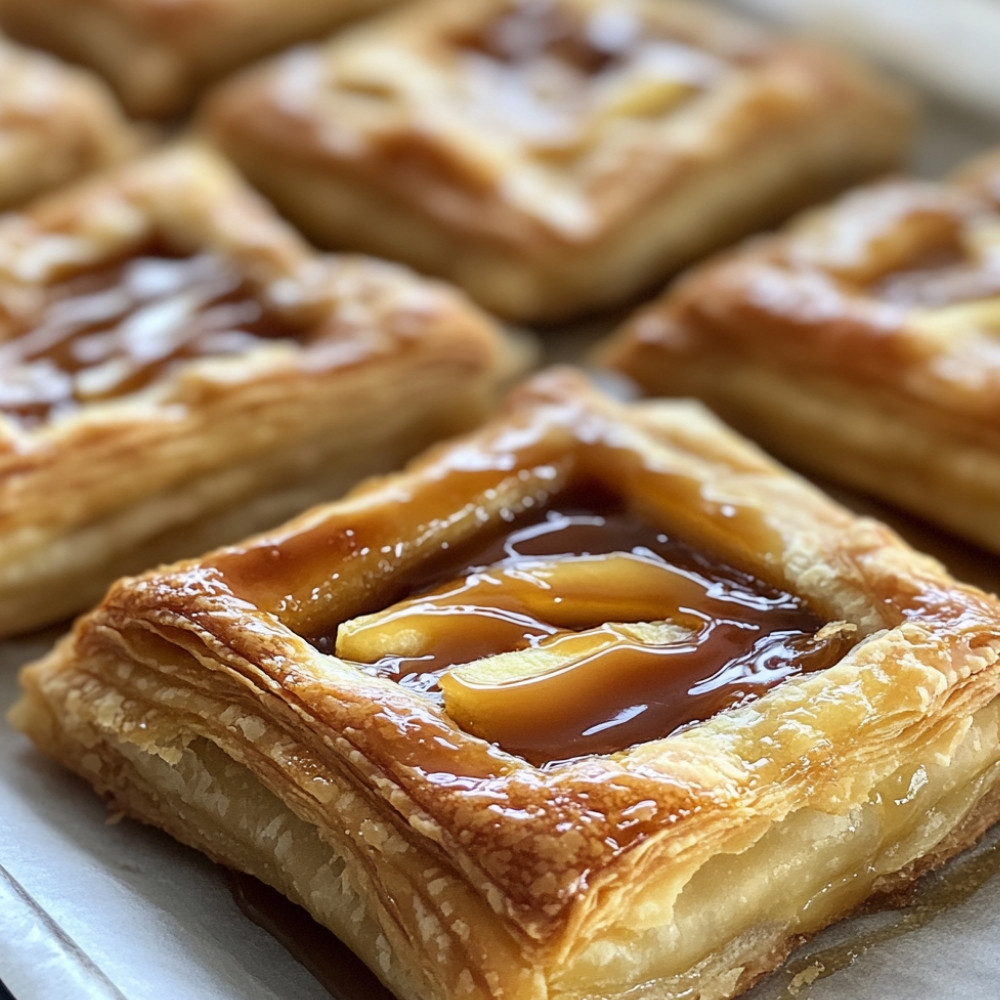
column 574, row 592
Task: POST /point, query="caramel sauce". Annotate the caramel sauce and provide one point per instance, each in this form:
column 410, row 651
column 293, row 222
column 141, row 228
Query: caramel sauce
column 114, row 329
column 933, row 262
column 532, row 30
column 744, row 637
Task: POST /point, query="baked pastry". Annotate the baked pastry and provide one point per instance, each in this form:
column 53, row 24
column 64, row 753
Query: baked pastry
column 56, row 124
column 552, row 156
column 158, row 55
column 178, row 369
column 596, row 701
column 860, row 344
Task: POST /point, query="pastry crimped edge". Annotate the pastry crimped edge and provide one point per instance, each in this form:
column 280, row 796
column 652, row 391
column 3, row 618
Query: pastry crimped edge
column 158, row 56
column 804, row 124
column 224, row 446
column 833, row 380
column 457, row 870
column 63, row 123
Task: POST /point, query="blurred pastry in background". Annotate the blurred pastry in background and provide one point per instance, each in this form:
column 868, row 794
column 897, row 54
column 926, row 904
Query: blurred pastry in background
column 177, row 369
column 157, row 55
column 553, row 157
column 56, row 124
column 862, row 343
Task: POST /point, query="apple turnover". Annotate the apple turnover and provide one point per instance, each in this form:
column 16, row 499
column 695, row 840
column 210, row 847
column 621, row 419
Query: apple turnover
column 596, row 701
column 177, row 369
column 157, row 55
column 57, row 123
column 552, row 156
column 863, row 343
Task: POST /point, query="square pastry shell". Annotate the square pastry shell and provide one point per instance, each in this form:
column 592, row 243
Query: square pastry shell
column 860, row 343
column 370, row 363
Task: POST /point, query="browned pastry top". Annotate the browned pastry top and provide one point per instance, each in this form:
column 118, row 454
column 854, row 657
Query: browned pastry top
column 137, row 281
column 896, row 284
column 537, row 120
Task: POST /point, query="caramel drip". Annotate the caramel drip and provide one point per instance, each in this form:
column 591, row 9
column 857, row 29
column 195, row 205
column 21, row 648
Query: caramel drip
column 115, row 329
column 741, row 638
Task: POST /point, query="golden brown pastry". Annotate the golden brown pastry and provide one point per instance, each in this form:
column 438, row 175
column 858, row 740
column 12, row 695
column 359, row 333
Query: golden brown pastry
column 596, row 701
column 553, row 156
column 56, row 124
column 157, row 55
column 861, row 343
column 178, row 369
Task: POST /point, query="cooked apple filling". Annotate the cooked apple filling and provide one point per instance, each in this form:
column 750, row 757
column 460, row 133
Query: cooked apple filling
column 520, row 638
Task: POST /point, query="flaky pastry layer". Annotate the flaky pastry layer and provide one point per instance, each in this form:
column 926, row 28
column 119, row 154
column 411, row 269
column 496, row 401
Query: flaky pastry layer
column 157, row 56
column 369, row 365
column 57, row 123
column 554, row 157
column 860, row 343
column 683, row 866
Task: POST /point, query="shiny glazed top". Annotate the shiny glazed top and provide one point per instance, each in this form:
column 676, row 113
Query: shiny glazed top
column 114, row 329
column 588, row 631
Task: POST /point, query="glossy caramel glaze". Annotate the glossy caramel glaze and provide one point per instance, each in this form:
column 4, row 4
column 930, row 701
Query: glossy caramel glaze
column 541, row 69
column 923, row 247
column 115, row 329
column 741, row 637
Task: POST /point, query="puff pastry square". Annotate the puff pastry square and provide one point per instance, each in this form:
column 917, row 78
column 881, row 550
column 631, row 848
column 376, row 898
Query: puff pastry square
column 177, row 369
column 56, row 124
column 157, row 55
column 553, row 156
column 597, row 701
column 861, row 343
